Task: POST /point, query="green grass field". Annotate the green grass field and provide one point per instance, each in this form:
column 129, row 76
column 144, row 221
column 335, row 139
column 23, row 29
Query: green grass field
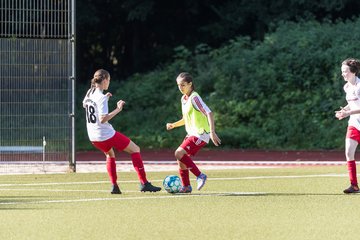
column 282, row 203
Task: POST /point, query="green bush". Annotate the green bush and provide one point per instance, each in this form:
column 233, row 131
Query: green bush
column 280, row 93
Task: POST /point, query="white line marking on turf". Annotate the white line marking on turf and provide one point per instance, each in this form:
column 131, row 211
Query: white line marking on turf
column 59, row 183
column 278, row 177
column 49, row 190
column 160, row 180
column 60, row 190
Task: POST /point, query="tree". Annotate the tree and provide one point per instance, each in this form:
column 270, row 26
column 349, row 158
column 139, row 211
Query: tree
column 131, row 36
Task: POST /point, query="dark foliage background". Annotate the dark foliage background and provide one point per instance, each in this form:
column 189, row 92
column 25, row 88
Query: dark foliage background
column 269, row 71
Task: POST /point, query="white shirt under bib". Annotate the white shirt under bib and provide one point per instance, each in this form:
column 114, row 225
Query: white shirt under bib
column 353, row 100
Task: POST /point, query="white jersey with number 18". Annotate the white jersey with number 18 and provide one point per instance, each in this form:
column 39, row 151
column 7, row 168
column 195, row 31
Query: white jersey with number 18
column 96, row 105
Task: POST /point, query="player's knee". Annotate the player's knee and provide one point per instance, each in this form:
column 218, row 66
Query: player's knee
column 136, row 148
column 178, row 154
column 110, row 154
column 349, row 156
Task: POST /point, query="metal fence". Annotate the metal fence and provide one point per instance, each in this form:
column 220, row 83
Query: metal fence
column 37, row 81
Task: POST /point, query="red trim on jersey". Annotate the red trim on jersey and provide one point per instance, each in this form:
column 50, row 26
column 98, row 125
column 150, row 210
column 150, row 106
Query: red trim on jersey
column 199, row 105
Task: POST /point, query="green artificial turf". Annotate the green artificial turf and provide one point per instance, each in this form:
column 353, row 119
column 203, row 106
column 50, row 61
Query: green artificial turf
column 272, row 204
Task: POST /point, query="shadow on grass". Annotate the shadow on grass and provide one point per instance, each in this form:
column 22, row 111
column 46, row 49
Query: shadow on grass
column 9, row 202
column 226, row 194
column 17, row 208
column 306, row 194
column 259, row 194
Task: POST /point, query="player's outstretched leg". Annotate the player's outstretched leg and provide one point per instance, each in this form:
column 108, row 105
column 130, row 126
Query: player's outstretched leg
column 145, row 185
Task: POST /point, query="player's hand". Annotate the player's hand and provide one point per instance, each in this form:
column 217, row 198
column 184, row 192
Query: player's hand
column 215, row 139
column 342, row 113
column 108, row 95
column 339, row 115
column 120, row 104
column 169, row 126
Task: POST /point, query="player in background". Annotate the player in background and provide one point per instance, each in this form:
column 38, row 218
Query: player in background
column 200, row 127
column 103, row 136
column 350, row 68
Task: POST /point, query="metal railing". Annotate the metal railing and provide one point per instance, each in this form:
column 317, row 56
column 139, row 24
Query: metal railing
column 37, row 79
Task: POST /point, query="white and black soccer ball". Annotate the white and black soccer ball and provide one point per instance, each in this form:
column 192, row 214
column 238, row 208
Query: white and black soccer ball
column 172, row 184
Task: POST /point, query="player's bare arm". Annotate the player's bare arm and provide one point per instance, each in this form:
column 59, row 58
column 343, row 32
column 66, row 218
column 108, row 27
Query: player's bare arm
column 346, row 108
column 340, row 113
column 176, row 124
column 345, row 113
column 119, row 106
column 213, row 136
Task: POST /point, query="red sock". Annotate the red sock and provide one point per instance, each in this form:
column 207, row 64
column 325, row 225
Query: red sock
column 139, row 167
column 352, row 172
column 184, row 175
column 111, row 169
column 190, row 165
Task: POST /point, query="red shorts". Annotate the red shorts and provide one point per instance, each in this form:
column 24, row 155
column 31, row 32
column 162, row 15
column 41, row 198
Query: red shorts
column 353, row 133
column 192, row 145
column 118, row 141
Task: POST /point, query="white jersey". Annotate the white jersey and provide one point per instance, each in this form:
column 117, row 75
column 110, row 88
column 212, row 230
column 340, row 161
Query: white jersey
column 353, row 100
column 200, row 106
column 96, row 105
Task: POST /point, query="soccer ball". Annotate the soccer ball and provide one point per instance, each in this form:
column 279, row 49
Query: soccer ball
column 172, row 184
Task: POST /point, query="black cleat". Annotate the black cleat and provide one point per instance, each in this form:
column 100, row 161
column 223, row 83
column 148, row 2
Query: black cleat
column 352, row 189
column 148, row 187
column 115, row 189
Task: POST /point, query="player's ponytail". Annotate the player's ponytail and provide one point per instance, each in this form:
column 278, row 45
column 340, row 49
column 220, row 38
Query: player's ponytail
column 99, row 76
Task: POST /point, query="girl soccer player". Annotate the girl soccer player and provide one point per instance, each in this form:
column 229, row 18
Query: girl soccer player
column 103, row 136
column 350, row 68
column 200, row 127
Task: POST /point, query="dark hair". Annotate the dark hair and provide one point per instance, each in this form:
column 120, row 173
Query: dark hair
column 187, row 78
column 99, row 76
column 354, row 65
